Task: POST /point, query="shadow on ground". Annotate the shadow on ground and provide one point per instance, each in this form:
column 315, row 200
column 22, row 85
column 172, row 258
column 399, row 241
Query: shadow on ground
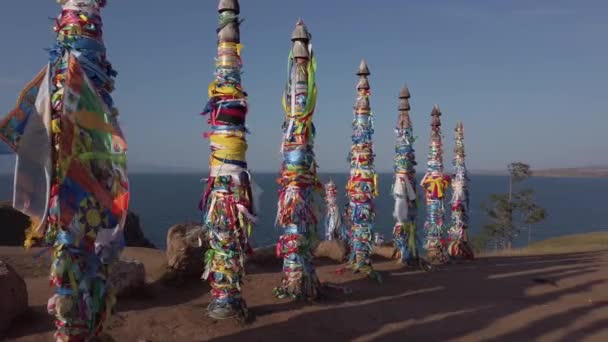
column 452, row 302
column 496, row 298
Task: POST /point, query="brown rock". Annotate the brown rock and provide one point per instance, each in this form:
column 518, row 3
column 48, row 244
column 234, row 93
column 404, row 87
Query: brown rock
column 265, row 256
column 13, row 295
column 134, row 236
column 386, row 250
column 335, row 250
column 184, row 252
column 13, row 225
column 128, row 277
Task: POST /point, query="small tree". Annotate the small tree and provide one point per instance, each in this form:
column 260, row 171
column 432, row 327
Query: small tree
column 500, row 228
column 531, row 213
column 518, row 172
column 510, row 213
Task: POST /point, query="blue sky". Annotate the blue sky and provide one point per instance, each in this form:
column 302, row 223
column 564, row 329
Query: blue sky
column 527, row 78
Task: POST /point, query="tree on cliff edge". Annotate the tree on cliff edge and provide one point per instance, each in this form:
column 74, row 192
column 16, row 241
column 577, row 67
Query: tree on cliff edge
column 511, row 212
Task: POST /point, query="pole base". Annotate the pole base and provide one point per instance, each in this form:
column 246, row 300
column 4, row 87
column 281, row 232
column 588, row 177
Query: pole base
column 460, row 249
column 436, row 256
column 421, row 263
column 221, row 309
column 306, row 288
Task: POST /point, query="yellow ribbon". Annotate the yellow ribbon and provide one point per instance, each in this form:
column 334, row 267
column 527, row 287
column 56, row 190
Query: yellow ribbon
column 32, row 233
column 231, row 45
column 215, row 91
column 230, row 147
column 375, row 185
column 436, row 184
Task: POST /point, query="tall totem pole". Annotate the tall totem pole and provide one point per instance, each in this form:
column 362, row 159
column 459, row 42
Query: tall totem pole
column 435, row 184
column 458, row 233
column 227, row 202
column 297, row 213
column 404, row 188
column 362, row 183
column 71, row 176
column 333, row 218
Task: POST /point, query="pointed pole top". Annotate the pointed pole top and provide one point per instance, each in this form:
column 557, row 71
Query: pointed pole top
column 436, row 111
column 404, row 93
column 90, row 6
column 300, row 38
column 363, row 83
column 363, row 69
column 300, row 32
column 229, row 5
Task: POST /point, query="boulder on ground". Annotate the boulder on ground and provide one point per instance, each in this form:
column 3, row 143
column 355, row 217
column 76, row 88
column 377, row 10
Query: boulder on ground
column 134, row 236
column 385, row 250
column 13, row 296
column 335, row 250
column 186, row 247
column 265, row 256
column 14, row 224
column 128, row 277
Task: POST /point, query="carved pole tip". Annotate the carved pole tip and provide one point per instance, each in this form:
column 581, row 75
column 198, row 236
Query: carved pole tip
column 363, row 69
column 436, row 111
column 229, row 5
column 404, row 93
column 300, row 32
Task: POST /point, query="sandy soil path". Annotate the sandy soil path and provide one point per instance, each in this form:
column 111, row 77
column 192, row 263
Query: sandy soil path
column 557, row 297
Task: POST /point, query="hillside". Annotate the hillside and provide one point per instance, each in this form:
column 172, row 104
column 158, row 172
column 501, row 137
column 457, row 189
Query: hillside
column 583, row 172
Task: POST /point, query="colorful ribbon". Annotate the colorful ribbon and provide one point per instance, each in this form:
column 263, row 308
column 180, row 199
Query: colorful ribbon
column 333, row 219
column 435, row 184
column 362, row 186
column 404, row 186
column 459, row 244
column 74, row 156
column 227, row 203
column 297, row 212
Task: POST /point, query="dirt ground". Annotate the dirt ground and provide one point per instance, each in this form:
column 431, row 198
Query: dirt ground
column 552, row 297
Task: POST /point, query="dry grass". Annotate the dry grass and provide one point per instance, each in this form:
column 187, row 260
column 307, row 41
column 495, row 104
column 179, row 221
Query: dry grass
column 565, row 244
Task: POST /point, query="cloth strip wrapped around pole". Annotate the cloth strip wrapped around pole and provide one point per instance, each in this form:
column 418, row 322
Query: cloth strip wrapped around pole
column 297, row 212
column 71, row 176
column 459, row 240
column 435, row 184
column 333, row 218
column 362, row 186
column 404, row 188
column 227, row 202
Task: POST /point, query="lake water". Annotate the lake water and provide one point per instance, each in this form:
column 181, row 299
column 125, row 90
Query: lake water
column 574, row 205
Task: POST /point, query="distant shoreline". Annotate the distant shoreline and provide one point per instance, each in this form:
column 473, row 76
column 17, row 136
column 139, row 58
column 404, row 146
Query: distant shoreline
column 544, row 173
column 600, row 172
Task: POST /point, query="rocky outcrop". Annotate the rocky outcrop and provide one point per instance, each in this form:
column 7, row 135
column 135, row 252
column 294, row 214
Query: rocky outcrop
column 128, row 277
column 264, row 256
column 335, row 250
column 13, row 225
column 186, row 247
column 386, row 250
column 134, row 236
column 13, row 296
